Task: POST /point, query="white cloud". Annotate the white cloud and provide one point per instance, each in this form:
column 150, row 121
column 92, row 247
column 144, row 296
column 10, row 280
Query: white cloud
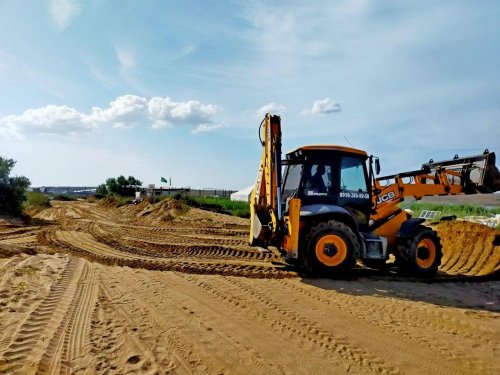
column 10, row 132
column 47, row 120
column 322, row 106
column 270, row 108
column 126, row 58
column 103, row 78
column 124, row 112
column 186, row 51
column 63, row 12
column 128, row 69
column 165, row 112
column 205, row 128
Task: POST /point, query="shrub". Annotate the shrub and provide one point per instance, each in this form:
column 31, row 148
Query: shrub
column 38, row 200
column 92, row 199
column 101, row 191
column 117, row 201
column 221, row 205
column 11, row 189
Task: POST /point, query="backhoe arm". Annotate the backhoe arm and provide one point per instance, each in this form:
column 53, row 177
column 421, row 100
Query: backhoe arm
column 265, row 201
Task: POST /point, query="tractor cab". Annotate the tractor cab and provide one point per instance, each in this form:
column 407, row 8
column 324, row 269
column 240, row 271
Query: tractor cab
column 328, row 180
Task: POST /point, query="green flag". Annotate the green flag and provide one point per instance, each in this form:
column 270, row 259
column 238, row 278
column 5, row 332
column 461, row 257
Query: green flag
column 163, row 180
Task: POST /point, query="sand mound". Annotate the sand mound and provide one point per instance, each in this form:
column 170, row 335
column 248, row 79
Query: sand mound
column 469, row 249
column 135, row 210
column 146, row 213
column 165, row 210
column 170, row 211
column 143, row 213
column 109, row 202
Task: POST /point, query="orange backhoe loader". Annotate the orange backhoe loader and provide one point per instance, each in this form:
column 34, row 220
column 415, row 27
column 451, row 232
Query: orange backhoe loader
column 328, row 209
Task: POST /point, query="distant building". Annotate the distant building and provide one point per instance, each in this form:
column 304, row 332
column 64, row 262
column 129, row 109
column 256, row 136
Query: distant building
column 243, row 195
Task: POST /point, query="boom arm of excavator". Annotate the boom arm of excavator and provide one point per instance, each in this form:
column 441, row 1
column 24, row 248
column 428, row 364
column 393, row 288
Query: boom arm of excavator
column 265, row 201
column 469, row 175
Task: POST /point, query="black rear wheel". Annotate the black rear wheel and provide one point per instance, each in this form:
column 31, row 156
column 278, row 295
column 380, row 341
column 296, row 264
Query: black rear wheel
column 330, row 249
column 420, row 254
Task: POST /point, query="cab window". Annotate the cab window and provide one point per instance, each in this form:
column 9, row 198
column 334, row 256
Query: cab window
column 352, row 175
column 292, row 180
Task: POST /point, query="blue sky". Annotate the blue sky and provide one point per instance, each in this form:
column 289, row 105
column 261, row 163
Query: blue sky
column 94, row 89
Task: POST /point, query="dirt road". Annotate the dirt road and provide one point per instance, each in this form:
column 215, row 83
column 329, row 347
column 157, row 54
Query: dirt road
column 95, row 289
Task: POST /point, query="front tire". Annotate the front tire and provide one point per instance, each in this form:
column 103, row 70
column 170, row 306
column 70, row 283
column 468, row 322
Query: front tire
column 420, row 254
column 330, row 249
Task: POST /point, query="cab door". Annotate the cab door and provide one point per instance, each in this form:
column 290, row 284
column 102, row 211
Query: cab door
column 354, row 190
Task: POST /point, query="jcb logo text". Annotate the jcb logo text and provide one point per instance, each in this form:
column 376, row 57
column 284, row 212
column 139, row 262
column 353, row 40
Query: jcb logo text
column 386, row 197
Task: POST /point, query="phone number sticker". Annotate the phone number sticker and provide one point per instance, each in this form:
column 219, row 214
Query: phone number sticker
column 346, row 194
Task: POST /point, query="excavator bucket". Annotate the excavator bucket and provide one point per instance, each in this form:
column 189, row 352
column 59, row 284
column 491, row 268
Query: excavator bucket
column 265, row 201
column 480, row 175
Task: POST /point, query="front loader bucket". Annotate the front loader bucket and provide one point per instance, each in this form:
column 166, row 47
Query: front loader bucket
column 479, row 171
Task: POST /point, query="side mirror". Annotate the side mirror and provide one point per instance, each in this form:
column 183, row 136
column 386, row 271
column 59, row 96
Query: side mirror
column 377, row 166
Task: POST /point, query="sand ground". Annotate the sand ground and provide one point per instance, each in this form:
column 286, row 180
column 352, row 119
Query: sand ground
column 148, row 289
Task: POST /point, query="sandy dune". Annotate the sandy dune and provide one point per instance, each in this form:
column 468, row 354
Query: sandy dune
column 94, row 289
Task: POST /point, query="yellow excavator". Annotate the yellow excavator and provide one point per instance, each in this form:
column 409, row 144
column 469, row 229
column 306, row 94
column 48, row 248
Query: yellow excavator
column 328, row 208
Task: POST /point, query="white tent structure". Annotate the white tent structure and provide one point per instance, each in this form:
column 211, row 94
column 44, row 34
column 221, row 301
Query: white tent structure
column 243, row 195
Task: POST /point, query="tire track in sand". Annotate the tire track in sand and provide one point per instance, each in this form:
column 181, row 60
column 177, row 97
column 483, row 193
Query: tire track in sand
column 292, row 325
column 202, row 320
column 123, row 327
column 70, row 344
column 83, row 244
column 180, row 232
column 422, row 327
column 55, row 331
column 184, row 249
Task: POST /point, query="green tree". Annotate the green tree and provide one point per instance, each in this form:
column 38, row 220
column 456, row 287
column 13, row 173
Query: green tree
column 122, row 183
column 120, row 186
column 133, row 182
column 12, row 189
column 101, row 190
column 112, row 186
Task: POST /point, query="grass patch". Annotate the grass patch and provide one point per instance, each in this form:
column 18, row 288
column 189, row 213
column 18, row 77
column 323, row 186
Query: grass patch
column 459, row 211
column 222, row 205
column 26, row 270
column 122, row 201
column 14, row 299
column 38, row 200
column 22, row 287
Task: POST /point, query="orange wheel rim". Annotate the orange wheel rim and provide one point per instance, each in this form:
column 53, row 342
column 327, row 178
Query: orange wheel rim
column 426, row 253
column 331, row 250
